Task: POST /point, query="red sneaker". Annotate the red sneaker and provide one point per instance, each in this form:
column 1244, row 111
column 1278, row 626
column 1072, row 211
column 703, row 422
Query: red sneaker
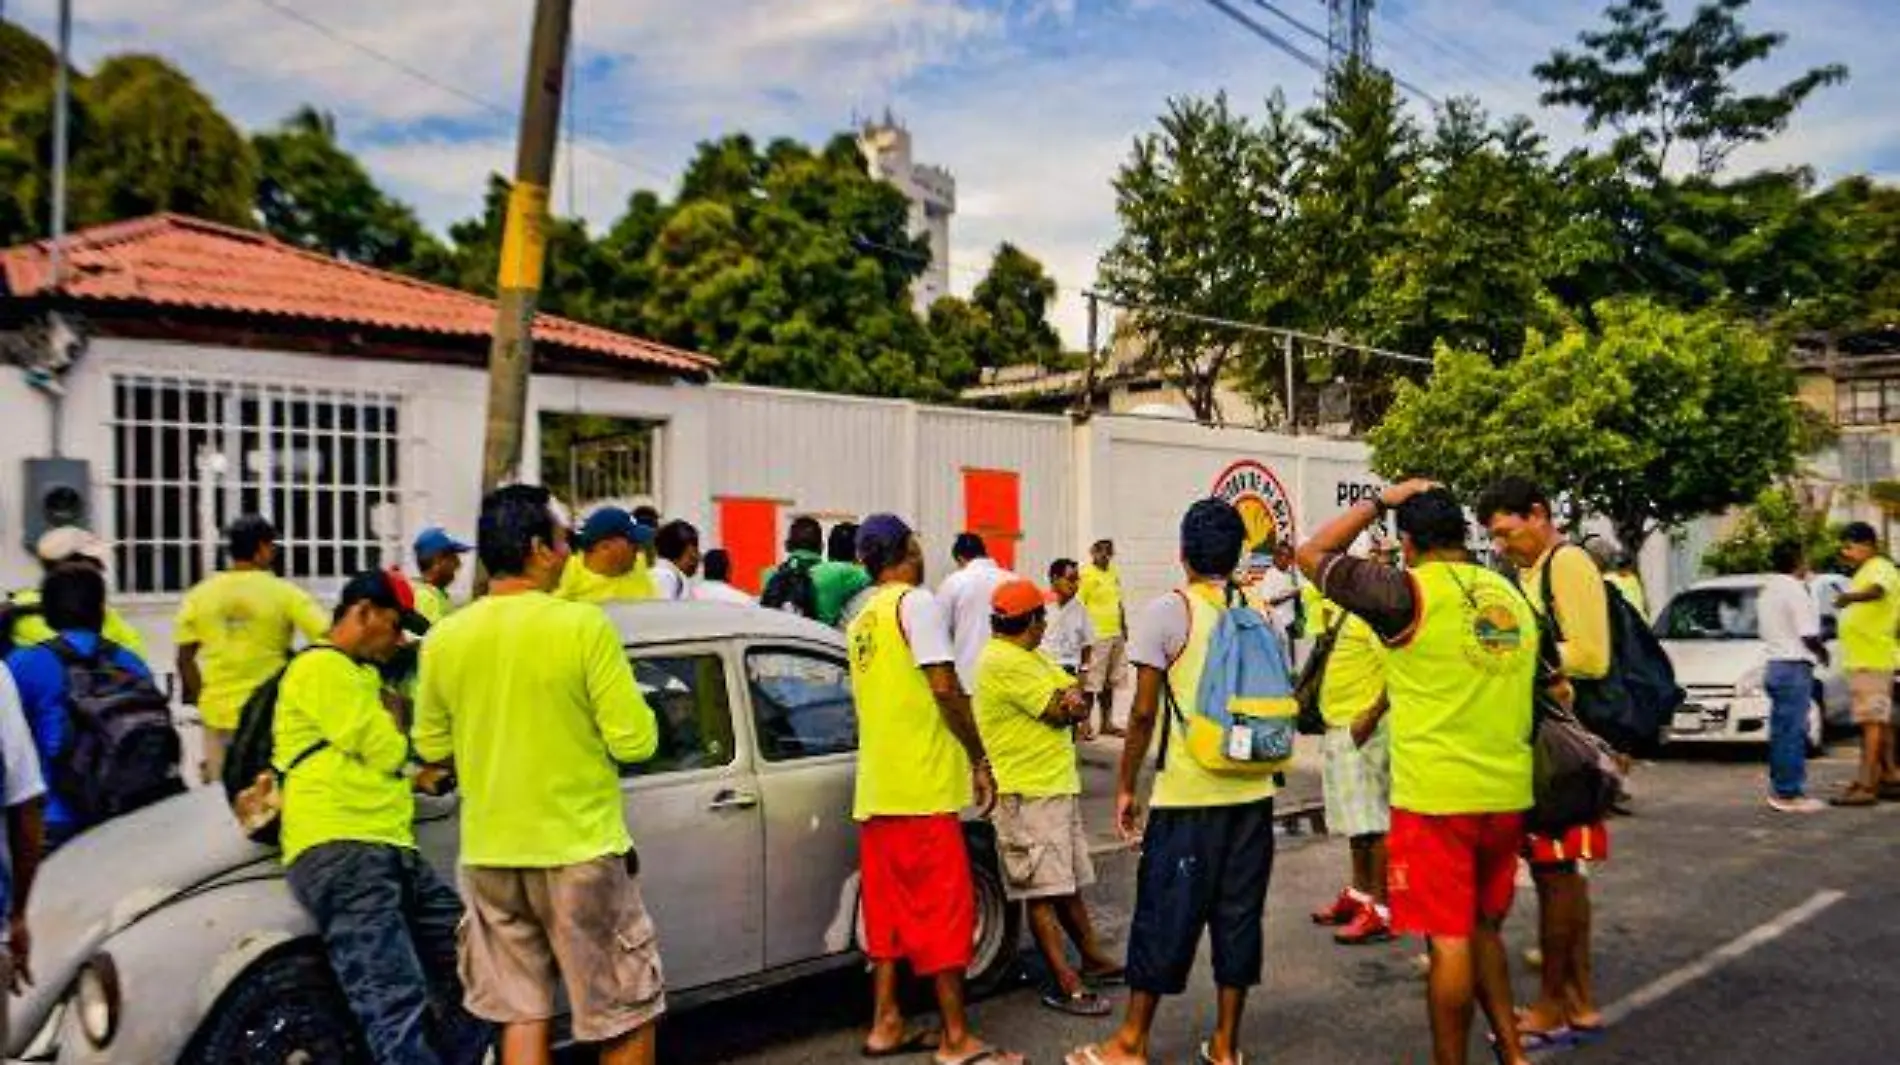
column 1371, row 926
column 1343, row 910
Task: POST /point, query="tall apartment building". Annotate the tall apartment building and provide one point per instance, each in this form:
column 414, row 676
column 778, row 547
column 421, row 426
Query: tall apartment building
column 932, row 193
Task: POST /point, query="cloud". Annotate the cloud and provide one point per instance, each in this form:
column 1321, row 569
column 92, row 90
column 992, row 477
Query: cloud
column 1031, row 103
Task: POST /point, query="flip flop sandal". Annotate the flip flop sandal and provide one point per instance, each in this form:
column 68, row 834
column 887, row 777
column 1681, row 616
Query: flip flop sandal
column 1081, row 1004
column 985, row 1054
column 912, row 1043
column 1207, row 1056
column 1583, row 1034
column 1087, row 1055
column 1855, row 796
column 1532, row 1040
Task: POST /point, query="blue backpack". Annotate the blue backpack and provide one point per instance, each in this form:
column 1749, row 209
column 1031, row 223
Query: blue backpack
column 1245, row 717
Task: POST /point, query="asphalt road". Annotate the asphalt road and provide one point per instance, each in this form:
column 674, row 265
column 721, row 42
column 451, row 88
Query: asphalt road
column 1725, row 933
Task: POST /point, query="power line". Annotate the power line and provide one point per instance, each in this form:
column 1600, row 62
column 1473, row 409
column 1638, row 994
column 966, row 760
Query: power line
column 1254, row 327
column 1269, row 36
column 1480, row 68
column 442, row 86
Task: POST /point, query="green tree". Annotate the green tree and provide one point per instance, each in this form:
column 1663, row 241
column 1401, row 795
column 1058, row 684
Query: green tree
column 1659, row 86
column 794, row 266
column 1015, row 296
column 312, row 193
column 1206, row 207
column 1775, row 516
column 148, row 141
column 1650, row 419
column 578, row 280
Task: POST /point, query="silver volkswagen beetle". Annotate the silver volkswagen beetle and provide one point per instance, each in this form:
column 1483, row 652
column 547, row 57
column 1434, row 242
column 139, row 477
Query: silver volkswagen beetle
column 167, row 937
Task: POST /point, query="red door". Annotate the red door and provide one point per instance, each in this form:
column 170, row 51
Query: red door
column 748, row 530
column 992, row 508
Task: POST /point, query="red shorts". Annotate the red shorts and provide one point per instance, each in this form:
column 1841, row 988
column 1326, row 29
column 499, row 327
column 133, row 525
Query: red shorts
column 1447, row 872
column 919, row 903
column 1588, row 843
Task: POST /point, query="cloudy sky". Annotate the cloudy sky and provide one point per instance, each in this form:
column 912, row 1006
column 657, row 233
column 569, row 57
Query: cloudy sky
column 1031, row 103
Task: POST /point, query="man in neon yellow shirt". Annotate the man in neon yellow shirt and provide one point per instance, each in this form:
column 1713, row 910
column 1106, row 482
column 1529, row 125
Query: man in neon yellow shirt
column 235, row 630
column 613, row 566
column 534, row 699
column 1461, row 662
column 1027, row 709
column 1870, row 610
column 1101, row 595
column 387, row 919
column 920, row 761
column 1356, row 776
column 1207, row 850
column 438, row 563
column 68, row 545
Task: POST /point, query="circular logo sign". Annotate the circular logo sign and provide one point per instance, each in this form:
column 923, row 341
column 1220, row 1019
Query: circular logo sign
column 1262, row 500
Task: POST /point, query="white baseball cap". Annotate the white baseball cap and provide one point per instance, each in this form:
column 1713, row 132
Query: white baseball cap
column 71, row 541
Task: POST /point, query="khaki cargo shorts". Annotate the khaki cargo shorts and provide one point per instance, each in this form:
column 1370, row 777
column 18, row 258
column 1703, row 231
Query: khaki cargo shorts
column 580, row 927
column 1870, row 692
column 1108, row 660
column 1044, row 847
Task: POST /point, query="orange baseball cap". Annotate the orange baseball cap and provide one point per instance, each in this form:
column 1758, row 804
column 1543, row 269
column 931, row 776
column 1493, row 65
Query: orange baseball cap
column 1013, row 599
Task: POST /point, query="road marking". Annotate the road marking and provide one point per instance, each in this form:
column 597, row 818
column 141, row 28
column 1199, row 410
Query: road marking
column 1671, row 982
column 1668, row 984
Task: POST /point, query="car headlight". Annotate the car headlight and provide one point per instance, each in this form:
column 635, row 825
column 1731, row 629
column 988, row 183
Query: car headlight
column 96, row 1000
column 1752, row 685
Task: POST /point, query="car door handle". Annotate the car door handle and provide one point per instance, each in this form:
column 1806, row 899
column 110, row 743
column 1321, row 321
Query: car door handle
column 733, row 799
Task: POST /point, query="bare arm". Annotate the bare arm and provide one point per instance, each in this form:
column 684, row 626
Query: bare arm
column 26, row 838
column 1143, row 715
column 954, row 705
column 190, row 681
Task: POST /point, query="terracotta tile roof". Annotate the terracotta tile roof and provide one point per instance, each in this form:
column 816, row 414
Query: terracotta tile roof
column 169, row 260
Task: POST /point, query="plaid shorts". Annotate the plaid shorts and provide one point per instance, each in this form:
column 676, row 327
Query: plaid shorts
column 1357, row 783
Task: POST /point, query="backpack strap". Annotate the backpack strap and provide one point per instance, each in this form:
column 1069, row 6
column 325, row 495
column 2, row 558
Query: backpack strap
column 302, row 756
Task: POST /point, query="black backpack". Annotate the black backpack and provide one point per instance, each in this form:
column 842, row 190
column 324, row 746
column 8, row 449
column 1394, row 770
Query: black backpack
column 1631, row 704
column 1306, row 689
column 123, row 752
column 791, row 589
column 252, row 782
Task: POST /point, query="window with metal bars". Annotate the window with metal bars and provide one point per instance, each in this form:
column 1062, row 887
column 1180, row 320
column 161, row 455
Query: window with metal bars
column 190, row 454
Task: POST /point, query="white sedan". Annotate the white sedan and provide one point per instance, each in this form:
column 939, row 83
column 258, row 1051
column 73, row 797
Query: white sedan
column 1711, row 636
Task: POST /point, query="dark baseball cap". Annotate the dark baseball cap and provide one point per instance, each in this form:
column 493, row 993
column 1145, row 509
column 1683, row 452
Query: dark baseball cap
column 389, row 589
column 610, row 522
column 886, row 531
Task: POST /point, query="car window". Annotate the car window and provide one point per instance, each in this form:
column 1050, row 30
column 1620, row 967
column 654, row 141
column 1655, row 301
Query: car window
column 1711, row 614
column 688, row 697
column 801, row 703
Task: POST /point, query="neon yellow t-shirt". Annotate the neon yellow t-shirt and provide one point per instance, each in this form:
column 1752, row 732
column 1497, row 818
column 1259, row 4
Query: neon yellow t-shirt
column 1355, row 674
column 431, row 602
column 31, row 630
column 909, row 763
column 1101, row 595
column 1460, row 686
column 536, row 700
column 244, row 623
column 1867, row 629
column 354, row 788
column 1029, row 756
column 582, row 585
column 1184, row 782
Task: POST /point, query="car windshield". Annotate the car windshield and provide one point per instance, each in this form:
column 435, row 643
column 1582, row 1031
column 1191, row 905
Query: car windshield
column 1711, row 614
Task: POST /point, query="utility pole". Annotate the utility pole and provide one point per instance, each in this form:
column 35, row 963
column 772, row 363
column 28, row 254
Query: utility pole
column 1349, row 32
column 1286, row 353
column 524, row 245
column 1088, row 370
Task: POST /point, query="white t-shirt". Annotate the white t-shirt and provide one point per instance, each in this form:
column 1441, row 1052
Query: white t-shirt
column 926, row 628
column 1786, row 613
column 1159, row 631
column 1069, row 632
column 21, row 762
column 720, row 592
column 966, row 602
column 669, row 582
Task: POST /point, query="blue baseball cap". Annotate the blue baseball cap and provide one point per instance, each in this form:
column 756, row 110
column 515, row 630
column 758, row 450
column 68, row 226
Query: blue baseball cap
column 609, row 522
column 886, row 531
column 434, row 541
